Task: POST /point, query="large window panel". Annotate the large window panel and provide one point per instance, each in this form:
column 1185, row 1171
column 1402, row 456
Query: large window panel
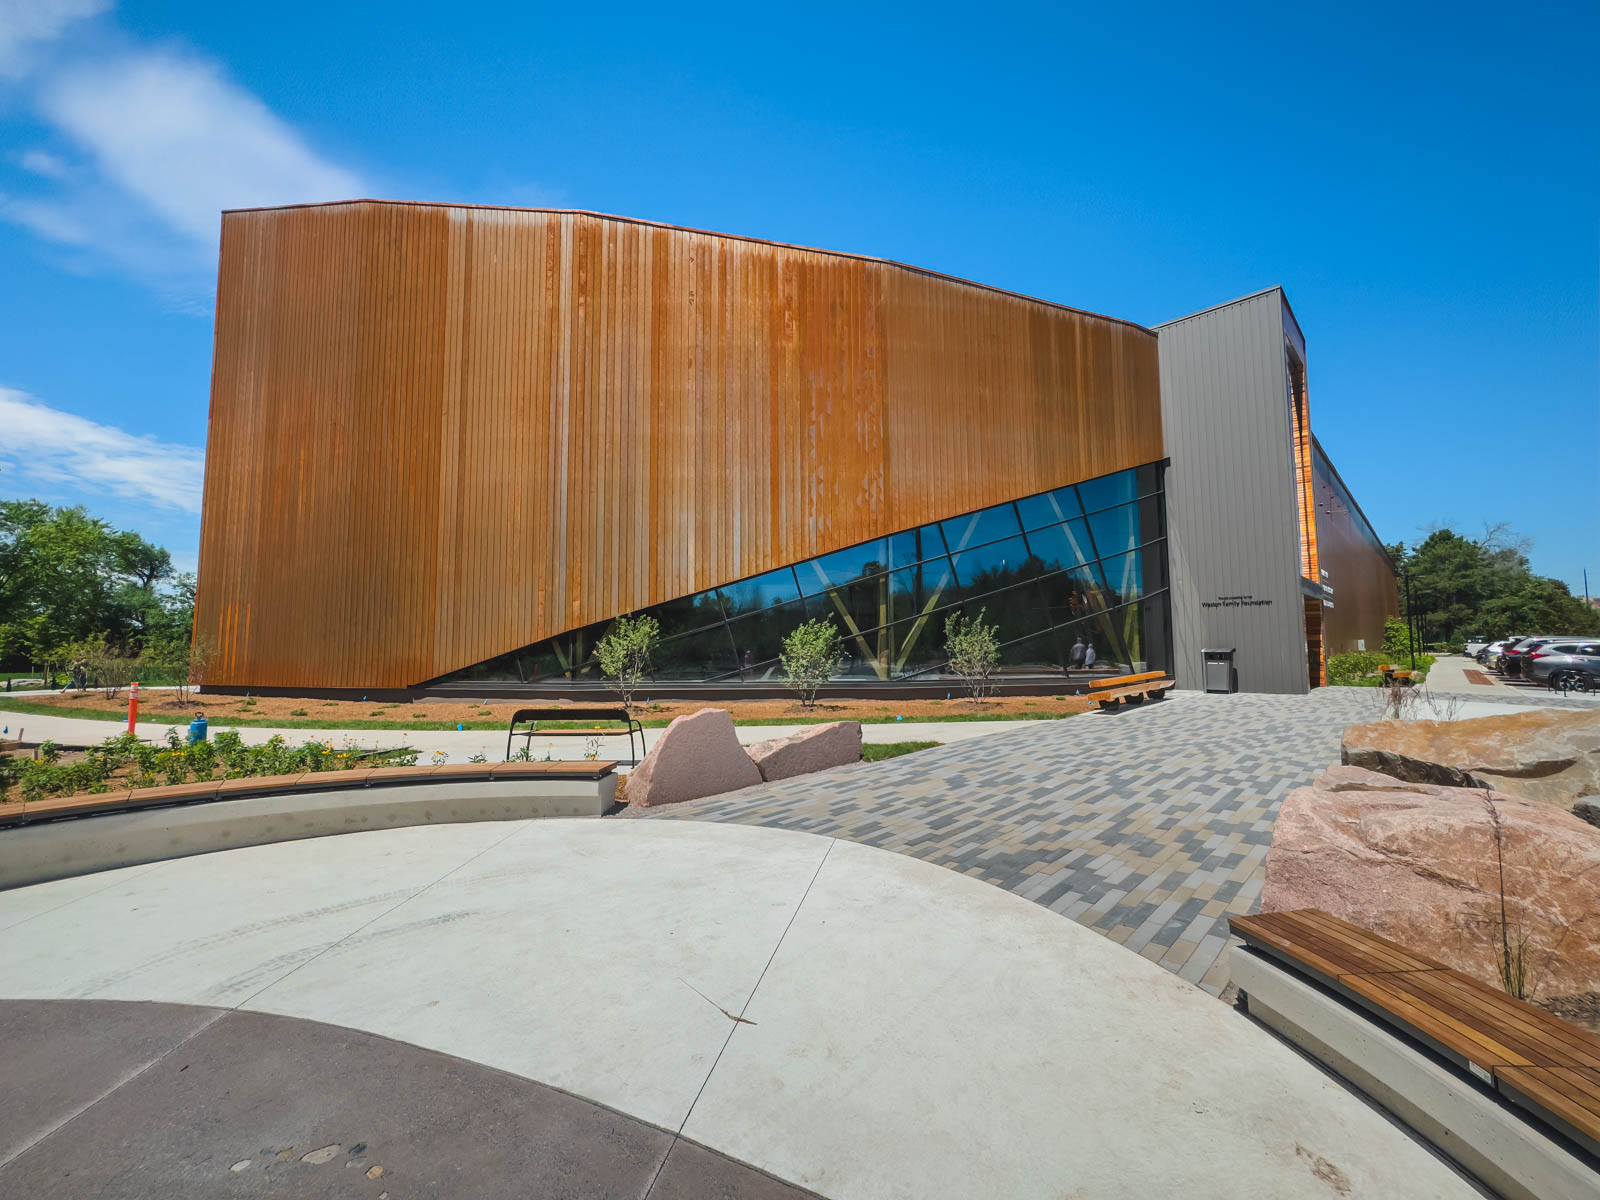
column 762, row 591
column 914, row 546
column 1049, row 508
column 919, row 589
column 687, row 614
column 985, row 525
column 1116, row 530
column 1072, row 595
column 1109, row 490
column 843, row 566
column 758, row 638
column 995, row 566
column 1035, row 655
column 696, row 656
column 1062, row 546
column 1124, row 577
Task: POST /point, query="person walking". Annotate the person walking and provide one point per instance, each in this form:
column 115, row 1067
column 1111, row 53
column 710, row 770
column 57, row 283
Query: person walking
column 1088, row 657
column 1075, row 655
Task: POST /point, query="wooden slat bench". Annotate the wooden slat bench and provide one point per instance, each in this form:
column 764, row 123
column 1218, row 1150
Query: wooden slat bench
column 1148, row 685
column 622, row 722
column 128, row 800
column 1542, row 1064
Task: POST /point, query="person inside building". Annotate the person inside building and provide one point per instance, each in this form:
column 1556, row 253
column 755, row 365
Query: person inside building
column 1075, row 655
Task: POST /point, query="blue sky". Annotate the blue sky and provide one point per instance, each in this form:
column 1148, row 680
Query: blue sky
column 1423, row 184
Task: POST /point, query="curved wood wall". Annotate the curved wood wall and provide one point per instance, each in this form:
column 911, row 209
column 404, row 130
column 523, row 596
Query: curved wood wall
column 439, row 433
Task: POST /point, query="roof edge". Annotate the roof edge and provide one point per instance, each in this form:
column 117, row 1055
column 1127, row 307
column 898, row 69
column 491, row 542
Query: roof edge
column 737, row 237
column 1200, row 312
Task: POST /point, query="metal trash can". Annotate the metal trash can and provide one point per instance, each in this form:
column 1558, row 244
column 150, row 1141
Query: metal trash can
column 1218, row 672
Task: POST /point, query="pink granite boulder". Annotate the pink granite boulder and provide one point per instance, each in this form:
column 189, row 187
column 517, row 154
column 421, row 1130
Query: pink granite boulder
column 1420, row 863
column 812, row 749
column 697, row 755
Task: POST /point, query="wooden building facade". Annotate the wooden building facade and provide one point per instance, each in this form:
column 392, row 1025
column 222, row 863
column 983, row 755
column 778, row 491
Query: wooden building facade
column 439, row 433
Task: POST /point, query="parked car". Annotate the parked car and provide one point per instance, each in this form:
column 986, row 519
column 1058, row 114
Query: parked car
column 1475, row 644
column 1492, row 651
column 1515, row 656
column 1561, row 656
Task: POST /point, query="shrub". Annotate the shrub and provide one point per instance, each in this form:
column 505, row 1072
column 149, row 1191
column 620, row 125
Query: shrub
column 625, row 652
column 974, row 650
column 1358, row 668
column 809, row 657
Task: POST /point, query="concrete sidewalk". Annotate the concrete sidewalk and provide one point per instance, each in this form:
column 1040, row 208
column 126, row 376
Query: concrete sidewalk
column 847, row 1019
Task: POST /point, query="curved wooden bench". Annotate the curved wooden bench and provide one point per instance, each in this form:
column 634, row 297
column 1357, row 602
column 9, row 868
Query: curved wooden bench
column 1545, row 1066
column 1148, row 685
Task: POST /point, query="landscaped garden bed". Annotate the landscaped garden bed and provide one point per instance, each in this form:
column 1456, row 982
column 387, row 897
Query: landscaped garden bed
column 295, row 712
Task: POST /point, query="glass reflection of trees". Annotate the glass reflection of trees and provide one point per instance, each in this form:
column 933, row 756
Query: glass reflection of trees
column 1083, row 562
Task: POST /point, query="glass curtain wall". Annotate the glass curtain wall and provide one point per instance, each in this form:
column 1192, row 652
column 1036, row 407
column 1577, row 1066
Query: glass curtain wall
column 1075, row 579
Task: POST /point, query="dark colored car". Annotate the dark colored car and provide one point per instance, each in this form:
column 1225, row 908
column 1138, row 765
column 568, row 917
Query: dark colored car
column 1513, row 659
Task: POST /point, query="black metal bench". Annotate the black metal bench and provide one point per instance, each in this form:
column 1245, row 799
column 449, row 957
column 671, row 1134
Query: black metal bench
column 622, row 722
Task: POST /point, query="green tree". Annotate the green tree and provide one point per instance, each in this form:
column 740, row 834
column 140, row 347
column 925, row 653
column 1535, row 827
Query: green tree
column 1462, row 585
column 625, row 652
column 66, row 576
column 973, row 647
column 810, row 655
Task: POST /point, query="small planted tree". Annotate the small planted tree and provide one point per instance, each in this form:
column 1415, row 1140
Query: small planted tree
column 809, row 656
column 974, row 649
column 625, row 652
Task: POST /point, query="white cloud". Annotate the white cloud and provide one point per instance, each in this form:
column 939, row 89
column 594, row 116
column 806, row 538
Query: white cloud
column 41, row 444
column 173, row 132
column 42, row 162
column 24, row 22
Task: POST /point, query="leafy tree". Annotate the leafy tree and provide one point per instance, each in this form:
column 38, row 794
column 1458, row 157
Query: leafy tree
column 809, row 657
column 974, row 650
column 625, row 652
column 66, row 576
column 1461, row 585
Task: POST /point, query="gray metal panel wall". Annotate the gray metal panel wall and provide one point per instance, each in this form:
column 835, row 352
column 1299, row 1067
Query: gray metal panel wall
column 1230, row 493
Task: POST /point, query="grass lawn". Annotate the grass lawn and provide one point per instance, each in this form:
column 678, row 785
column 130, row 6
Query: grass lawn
column 877, row 752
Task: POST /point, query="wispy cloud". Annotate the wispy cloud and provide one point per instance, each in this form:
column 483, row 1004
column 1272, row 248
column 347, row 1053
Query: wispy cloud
column 42, row 162
column 160, row 141
column 173, row 132
column 25, row 24
column 46, row 446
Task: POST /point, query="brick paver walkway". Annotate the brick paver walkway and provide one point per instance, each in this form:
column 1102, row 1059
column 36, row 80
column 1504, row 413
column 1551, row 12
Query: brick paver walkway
column 1150, row 826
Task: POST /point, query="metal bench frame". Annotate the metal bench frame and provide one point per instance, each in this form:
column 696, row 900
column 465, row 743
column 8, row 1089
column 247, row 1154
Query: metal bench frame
column 626, row 721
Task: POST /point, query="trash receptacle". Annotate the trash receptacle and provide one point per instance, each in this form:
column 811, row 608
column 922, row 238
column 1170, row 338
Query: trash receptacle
column 1219, row 674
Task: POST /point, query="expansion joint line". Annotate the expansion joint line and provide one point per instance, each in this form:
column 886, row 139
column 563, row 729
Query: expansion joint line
column 735, row 1021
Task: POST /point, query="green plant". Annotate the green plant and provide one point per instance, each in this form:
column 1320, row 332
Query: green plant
column 625, row 651
column 810, row 654
column 974, row 649
column 298, row 712
column 878, row 751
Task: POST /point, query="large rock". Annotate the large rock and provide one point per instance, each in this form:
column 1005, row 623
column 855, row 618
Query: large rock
column 697, row 755
column 812, row 749
column 1548, row 755
column 1417, row 863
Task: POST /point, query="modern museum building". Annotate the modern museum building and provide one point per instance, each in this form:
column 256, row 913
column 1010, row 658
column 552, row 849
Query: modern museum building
column 450, row 445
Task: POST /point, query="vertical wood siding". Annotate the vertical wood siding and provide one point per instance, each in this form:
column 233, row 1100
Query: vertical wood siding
column 440, row 433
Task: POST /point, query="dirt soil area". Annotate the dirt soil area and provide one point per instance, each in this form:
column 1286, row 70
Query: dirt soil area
column 300, row 712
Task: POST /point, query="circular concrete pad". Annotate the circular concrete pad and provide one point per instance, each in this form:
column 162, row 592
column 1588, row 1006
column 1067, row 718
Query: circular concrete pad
column 844, row 1018
column 164, row 1102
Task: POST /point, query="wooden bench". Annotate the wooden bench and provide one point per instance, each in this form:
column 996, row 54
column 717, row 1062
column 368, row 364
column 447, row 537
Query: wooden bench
column 621, row 722
column 129, row 800
column 1547, row 1067
column 1150, row 685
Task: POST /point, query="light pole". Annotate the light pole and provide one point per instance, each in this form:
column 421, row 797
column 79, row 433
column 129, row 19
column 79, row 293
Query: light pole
column 1411, row 618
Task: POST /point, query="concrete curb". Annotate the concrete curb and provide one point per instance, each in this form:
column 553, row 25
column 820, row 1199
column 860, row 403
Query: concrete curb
column 60, row 849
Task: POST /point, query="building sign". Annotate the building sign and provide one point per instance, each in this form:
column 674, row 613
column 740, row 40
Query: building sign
column 1234, row 602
